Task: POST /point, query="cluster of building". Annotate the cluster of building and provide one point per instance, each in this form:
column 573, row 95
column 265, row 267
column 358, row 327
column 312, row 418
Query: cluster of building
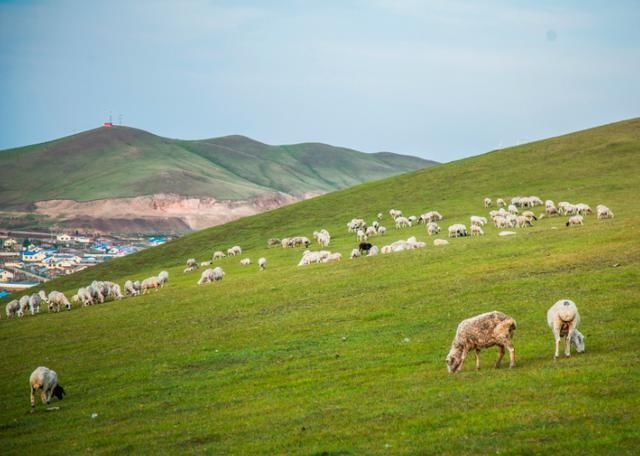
column 29, row 261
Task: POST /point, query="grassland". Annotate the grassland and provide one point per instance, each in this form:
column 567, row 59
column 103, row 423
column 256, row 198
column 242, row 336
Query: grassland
column 126, row 162
column 348, row 358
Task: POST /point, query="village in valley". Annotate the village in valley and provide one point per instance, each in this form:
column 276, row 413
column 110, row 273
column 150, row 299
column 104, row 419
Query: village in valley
column 29, row 258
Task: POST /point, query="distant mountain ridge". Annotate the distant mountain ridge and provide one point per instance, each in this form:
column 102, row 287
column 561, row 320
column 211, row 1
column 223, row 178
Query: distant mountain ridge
column 123, row 162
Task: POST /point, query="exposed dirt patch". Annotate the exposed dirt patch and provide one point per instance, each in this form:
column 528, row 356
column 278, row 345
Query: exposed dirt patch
column 156, row 213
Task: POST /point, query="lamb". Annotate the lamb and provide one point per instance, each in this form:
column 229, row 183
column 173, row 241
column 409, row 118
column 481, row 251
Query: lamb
column 431, row 216
column 313, row 257
column 412, row 219
column 57, row 299
column 149, row 283
column 204, row 264
column 603, row 212
column 262, row 263
column 575, row 220
column 402, row 222
column 12, row 308
column 322, row 237
column 85, row 297
column 332, row 257
column 500, row 202
column 379, row 216
column 551, row 210
column 355, row 253
column 237, row 250
column 513, row 209
column 439, row 242
column 96, row 294
column 370, row 231
column 395, row 213
column 47, row 380
column 487, row 202
column 457, row 230
column 245, row 261
column 231, row 252
column 530, row 215
column 192, row 264
column 356, row 224
column 482, row 331
column 361, row 236
column 432, row 228
column 477, row 220
column 382, row 231
column 522, row 221
column 583, row 209
column 373, row 251
column 218, row 254
column 476, row 230
column 563, row 319
column 163, row 277
column 211, row 275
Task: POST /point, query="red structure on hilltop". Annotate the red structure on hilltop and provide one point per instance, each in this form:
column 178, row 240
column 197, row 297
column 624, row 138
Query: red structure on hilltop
column 107, row 124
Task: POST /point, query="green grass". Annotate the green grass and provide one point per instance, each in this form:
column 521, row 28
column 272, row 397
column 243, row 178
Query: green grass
column 125, row 162
column 348, row 358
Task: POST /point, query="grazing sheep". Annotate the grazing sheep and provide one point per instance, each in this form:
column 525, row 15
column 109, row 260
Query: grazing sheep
column 85, row 297
column 551, row 211
column 513, row 209
column 364, row 247
column 262, row 263
column 432, row 228
column 192, row 264
column 583, row 209
column 575, row 220
column 245, row 261
column 530, row 215
column 355, row 253
column 309, row 257
column 204, row 264
column 371, row 231
column 457, row 230
column 487, row 202
column 57, row 299
column 500, row 202
column 149, row 283
column 477, row 220
column 476, row 230
column 373, row 251
column 322, row 237
column 47, row 380
column 129, row 289
column 563, row 319
column 211, row 275
column 500, row 222
column 23, row 306
column 163, row 277
column 482, row 331
column 361, row 236
column 402, row 222
column 375, row 224
column 382, row 231
column 231, row 252
column 603, row 212
column 11, row 309
column 273, row 242
column 356, row 224
column 438, row 242
column 412, row 219
column 96, row 294
column 218, row 254
column 335, row 256
column 34, row 303
column 379, row 216
column 386, row 249
column 395, row 213
column 522, row 221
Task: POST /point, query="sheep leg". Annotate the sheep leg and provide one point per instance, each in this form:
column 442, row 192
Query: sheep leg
column 477, row 358
column 500, row 356
column 462, row 358
column 567, row 344
column 43, row 397
column 33, row 396
column 512, row 355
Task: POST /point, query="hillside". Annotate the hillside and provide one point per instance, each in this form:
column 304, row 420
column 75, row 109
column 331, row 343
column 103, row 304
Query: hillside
column 117, row 164
column 348, row 358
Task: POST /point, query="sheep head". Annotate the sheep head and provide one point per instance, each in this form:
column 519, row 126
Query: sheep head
column 454, row 359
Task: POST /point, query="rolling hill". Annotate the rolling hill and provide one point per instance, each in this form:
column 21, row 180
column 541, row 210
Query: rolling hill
column 115, row 165
column 348, row 357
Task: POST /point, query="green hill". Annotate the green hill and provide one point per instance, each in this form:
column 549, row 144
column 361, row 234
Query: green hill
column 127, row 162
column 348, row 357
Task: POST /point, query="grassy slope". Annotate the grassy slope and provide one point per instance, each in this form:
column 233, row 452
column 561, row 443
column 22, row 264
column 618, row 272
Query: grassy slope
column 121, row 162
column 349, row 358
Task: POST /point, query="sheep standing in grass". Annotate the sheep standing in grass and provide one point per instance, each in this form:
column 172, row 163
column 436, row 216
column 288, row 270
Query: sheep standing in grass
column 355, row 253
column 575, row 220
column 56, row 300
column 432, row 228
column 603, row 211
column 245, row 261
column 150, row 283
column 130, row 288
column 262, row 263
column 482, row 331
column 500, row 202
column 273, row 242
column 47, row 380
column 23, row 306
column 457, row 230
column 382, row 230
column 11, row 308
column 373, row 251
column 218, row 254
column 163, row 277
column 563, row 319
column 211, row 275
column 35, row 300
column 476, row 230
column 192, row 264
column 402, row 222
column 487, row 202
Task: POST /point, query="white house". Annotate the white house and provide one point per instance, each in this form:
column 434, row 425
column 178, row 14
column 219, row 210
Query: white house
column 6, row 276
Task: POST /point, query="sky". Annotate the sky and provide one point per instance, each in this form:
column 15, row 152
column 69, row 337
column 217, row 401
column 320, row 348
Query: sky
column 438, row 79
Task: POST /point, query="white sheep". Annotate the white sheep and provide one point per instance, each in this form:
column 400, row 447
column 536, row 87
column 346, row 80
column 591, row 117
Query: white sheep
column 563, row 319
column 47, row 380
column 335, row 256
column 355, row 253
column 523, row 221
column 23, row 306
column 211, row 275
column 482, row 331
column 402, row 222
column 382, row 230
column 373, row 251
column 192, row 265
column 12, row 307
column 361, row 236
column 394, row 213
column 35, row 300
column 218, row 254
column 150, row 283
column 204, row 264
column 575, row 220
column 57, row 299
column 506, row 233
column 262, row 263
column 85, row 297
column 476, row 230
column 386, row 249
column 500, row 202
column 583, row 209
column 129, row 289
column 513, row 209
column 432, row 228
column 440, row 242
column 603, row 212
column 477, row 220
column 412, row 219
column 163, row 277
column 487, row 202
column 457, row 230
column 371, row 231
column 245, row 261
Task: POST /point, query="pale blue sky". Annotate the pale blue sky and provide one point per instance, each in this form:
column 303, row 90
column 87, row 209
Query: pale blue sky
column 438, row 79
